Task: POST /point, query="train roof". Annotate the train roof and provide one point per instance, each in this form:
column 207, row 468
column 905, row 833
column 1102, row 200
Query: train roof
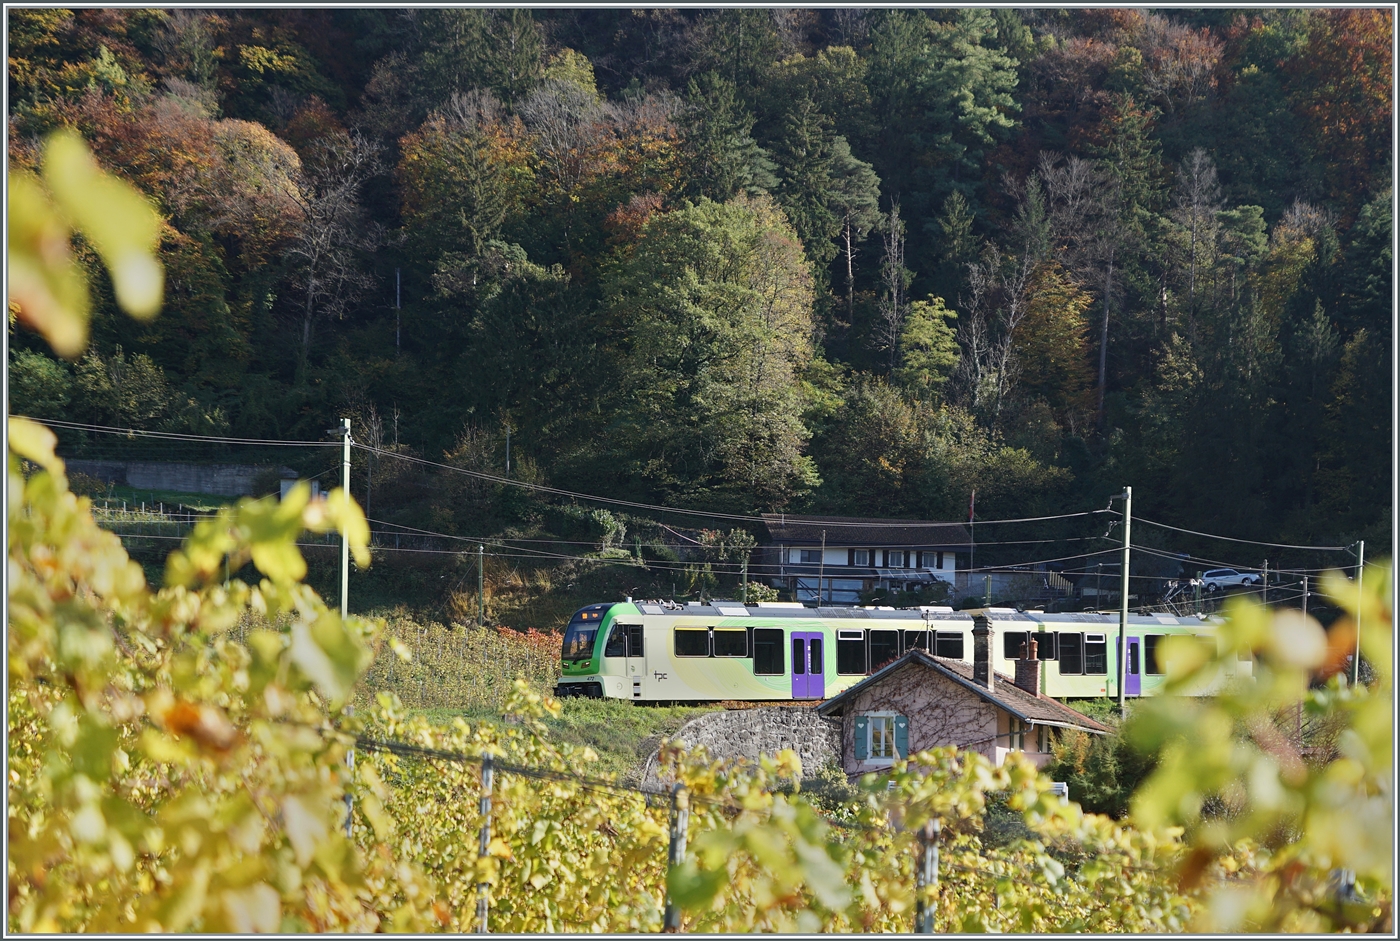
column 931, row 613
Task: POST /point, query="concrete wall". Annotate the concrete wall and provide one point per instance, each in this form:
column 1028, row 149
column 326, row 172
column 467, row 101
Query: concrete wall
column 227, row 480
column 767, row 730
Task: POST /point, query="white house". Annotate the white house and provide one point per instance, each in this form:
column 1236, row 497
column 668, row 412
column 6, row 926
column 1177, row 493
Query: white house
column 832, row 559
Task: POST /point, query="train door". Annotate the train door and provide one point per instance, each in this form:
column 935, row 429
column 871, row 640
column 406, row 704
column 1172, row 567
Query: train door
column 808, row 666
column 1132, row 681
column 636, row 658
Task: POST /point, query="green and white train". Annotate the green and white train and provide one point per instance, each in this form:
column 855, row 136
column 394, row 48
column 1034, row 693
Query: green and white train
column 654, row 652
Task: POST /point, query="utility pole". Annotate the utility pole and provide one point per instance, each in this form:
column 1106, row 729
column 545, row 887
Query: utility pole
column 821, row 570
column 1264, row 592
column 1356, row 655
column 344, row 539
column 745, row 578
column 1127, row 496
column 971, row 538
column 480, row 586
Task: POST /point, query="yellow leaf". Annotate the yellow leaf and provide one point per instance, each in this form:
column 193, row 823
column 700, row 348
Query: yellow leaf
column 256, row 908
column 33, row 442
column 113, row 216
column 305, row 829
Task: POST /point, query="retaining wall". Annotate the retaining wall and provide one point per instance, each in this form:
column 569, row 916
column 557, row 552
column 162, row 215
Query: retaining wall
column 226, row 480
column 766, row 730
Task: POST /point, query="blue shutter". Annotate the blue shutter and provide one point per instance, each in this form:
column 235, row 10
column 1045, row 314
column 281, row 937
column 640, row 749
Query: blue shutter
column 901, row 736
column 862, row 737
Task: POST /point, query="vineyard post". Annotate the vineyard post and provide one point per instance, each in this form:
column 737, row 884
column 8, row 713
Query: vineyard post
column 680, row 822
column 487, row 772
column 927, row 877
column 350, row 764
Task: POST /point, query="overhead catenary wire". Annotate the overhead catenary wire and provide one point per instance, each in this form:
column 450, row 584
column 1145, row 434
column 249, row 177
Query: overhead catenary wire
column 707, row 514
column 1252, row 542
column 180, row 436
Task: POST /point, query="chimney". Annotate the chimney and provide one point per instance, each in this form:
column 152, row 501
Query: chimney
column 982, row 671
column 1028, row 668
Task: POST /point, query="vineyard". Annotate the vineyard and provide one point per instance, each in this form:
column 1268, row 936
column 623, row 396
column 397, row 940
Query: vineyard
column 183, row 759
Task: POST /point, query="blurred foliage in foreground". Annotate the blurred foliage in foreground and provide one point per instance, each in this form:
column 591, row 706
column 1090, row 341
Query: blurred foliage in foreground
column 167, row 776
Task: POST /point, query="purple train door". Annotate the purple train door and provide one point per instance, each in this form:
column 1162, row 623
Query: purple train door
column 1132, row 683
column 808, row 671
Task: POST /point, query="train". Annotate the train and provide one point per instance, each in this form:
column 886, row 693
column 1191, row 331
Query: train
column 715, row 651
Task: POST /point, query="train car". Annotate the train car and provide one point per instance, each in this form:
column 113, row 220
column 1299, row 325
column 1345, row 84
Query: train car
column 652, row 651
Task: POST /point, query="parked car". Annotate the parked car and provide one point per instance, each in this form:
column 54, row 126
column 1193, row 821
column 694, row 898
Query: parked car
column 1216, row 579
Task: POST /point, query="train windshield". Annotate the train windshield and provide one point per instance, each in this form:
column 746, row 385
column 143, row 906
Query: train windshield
column 581, row 635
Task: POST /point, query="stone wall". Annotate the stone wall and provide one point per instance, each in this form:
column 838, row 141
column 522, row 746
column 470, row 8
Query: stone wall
column 767, row 730
column 226, row 480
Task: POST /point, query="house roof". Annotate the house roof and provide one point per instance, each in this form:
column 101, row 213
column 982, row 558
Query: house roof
column 860, row 531
column 1033, row 710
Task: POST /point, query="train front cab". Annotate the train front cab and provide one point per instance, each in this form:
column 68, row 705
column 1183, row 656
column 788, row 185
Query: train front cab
column 581, row 668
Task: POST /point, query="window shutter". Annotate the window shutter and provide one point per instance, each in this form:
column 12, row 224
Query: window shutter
column 862, row 737
column 901, row 736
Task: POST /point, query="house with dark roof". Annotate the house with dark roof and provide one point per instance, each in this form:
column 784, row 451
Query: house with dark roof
column 832, row 559
column 920, row 701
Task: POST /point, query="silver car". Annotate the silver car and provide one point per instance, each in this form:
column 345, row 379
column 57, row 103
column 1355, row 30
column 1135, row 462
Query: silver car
column 1216, row 579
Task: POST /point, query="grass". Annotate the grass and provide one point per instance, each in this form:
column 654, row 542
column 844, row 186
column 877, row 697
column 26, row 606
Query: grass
column 467, row 672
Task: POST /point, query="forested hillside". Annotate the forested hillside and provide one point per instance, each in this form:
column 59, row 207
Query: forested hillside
column 844, row 261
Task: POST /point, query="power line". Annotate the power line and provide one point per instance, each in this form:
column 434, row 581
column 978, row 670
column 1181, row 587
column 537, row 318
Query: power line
column 707, row 514
column 177, row 436
column 1252, row 542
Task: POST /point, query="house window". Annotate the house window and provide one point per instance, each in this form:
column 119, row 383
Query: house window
column 895, row 558
column 1096, row 654
column 850, row 653
column 881, row 737
column 860, row 556
column 1045, row 743
column 1072, row 654
column 767, row 651
column 948, row 644
column 1018, row 733
column 813, row 556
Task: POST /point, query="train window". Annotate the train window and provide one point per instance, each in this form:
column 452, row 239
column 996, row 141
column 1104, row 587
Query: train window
column 1208, row 645
column 817, row 667
column 1047, row 645
column 850, row 653
column 634, row 640
column 799, row 662
column 767, row 651
column 1134, row 664
column 948, row 644
column 1149, row 650
column 692, row 642
column 1095, row 655
column 915, row 640
column 731, row 642
column 617, row 642
column 1011, row 643
column 884, row 647
column 1071, row 654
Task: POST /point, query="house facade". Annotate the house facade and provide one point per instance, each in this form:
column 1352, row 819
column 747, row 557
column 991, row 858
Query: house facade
column 920, row 701
column 830, row 560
